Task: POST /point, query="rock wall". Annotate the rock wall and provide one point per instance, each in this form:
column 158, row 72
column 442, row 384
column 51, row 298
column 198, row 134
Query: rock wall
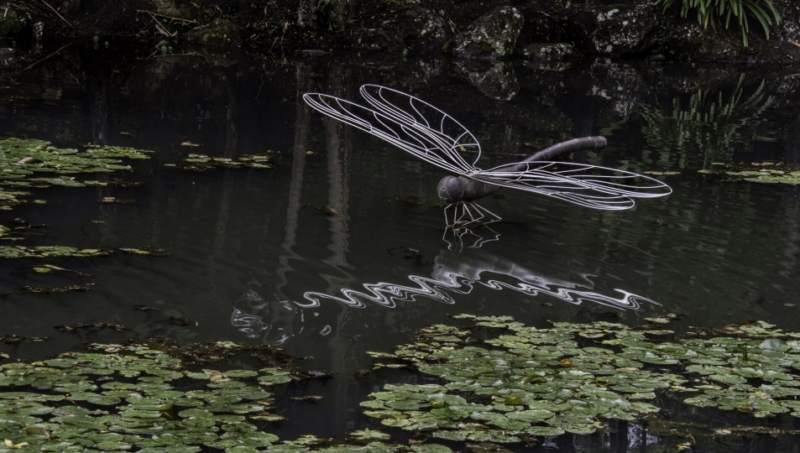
column 639, row 28
column 530, row 29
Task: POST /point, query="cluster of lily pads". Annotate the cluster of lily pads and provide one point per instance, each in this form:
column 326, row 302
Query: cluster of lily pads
column 201, row 162
column 61, row 251
column 48, row 251
column 143, row 397
column 766, row 173
column 24, row 162
column 496, row 380
column 523, row 381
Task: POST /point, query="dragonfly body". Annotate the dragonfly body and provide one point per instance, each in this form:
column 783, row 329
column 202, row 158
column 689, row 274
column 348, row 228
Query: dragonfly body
column 454, row 189
column 432, row 135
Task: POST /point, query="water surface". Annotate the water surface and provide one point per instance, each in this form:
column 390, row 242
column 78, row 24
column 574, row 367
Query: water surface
column 254, row 256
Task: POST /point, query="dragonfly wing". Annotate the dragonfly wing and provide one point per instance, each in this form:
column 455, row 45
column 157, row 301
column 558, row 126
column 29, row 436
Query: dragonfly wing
column 586, row 185
column 407, row 136
column 407, row 109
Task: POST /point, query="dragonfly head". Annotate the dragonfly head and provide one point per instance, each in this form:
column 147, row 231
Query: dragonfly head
column 451, row 189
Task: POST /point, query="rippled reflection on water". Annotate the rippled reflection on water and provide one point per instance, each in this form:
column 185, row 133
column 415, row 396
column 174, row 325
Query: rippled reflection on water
column 254, row 258
column 454, row 276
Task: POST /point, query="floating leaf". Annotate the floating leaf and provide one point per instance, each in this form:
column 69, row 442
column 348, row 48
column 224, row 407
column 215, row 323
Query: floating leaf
column 369, row 435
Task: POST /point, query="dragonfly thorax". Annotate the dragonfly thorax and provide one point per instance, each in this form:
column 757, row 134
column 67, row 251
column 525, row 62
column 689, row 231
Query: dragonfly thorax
column 451, row 189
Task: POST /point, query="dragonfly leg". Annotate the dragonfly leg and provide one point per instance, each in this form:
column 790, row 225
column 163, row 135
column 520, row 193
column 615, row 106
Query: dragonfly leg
column 465, row 217
column 486, row 216
column 468, row 212
column 446, row 219
column 463, row 211
column 459, row 213
column 458, row 243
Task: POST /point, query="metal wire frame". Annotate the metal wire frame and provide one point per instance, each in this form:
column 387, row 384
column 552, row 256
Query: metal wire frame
column 432, row 135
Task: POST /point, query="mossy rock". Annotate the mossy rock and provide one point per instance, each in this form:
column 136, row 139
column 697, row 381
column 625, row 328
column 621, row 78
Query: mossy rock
column 493, row 35
column 687, row 40
column 559, row 51
column 423, row 30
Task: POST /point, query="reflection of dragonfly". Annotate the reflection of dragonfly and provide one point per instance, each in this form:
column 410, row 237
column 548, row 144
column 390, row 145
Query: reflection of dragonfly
column 453, row 275
column 423, row 130
column 459, row 274
column 474, row 236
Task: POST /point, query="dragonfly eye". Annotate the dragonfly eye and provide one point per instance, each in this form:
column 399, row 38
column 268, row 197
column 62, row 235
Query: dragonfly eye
column 451, row 189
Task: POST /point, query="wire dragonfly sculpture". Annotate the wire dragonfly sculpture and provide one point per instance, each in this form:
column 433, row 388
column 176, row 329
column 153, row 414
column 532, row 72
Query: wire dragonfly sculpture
column 434, row 136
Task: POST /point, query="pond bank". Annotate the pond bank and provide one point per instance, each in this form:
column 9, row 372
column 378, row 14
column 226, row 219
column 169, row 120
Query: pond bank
column 523, row 29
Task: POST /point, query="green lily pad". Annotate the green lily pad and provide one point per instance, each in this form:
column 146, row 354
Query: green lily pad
column 369, row 435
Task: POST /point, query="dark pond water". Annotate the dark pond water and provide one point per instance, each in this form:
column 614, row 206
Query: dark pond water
column 252, row 258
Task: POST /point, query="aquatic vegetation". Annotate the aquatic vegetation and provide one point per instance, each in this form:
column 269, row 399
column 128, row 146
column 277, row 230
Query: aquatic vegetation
column 17, row 339
column 522, row 381
column 119, row 397
column 307, row 398
column 500, row 382
column 368, row 434
column 201, row 162
column 47, row 289
column 92, row 326
column 766, row 173
column 50, row 268
column 61, row 251
column 9, row 199
column 48, row 251
column 147, row 251
column 22, row 161
column 115, row 200
column 19, row 230
column 117, row 152
column 114, row 183
column 719, row 12
column 20, row 158
column 711, row 126
column 140, row 397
